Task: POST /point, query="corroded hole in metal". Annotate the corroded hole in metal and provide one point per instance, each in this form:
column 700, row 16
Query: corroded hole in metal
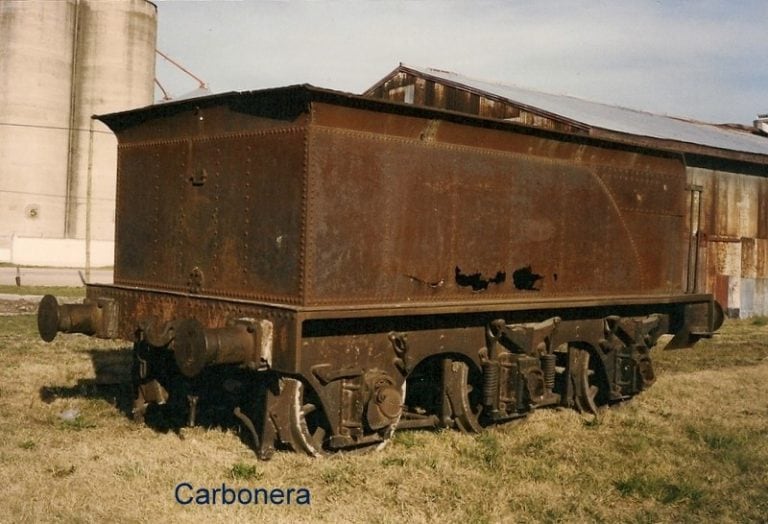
column 525, row 279
column 476, row 280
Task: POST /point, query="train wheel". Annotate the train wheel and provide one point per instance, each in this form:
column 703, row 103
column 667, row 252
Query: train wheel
column 583, row 380
column 295, row 418
column 461, row 396
column 307, row 422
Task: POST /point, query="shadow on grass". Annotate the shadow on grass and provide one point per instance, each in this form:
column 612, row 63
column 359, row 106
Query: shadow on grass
column 112, row 383
column 219, row 391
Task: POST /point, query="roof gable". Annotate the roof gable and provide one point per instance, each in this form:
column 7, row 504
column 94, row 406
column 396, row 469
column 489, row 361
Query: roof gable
column 605, row 120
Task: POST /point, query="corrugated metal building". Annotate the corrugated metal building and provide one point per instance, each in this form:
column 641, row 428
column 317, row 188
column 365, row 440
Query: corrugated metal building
column 727, row 167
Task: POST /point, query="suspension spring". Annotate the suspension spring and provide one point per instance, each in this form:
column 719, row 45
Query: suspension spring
column 490, row 383
column 548, row 367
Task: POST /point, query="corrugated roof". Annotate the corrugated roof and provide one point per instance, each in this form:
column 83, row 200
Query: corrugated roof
column 607, row 117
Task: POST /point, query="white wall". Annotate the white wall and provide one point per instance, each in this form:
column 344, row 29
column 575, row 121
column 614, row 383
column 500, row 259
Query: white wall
column 60, row 252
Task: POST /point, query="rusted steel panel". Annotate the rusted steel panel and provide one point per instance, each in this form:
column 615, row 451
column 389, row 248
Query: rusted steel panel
column 761, row 258
column 721, row 290
column 733, row 227
column 762, row 210
column 211, row 116
column 140, row 305
column 735, row 210
column 374, row 206
column 748, row 258
column 454, row 221
column 209, row 214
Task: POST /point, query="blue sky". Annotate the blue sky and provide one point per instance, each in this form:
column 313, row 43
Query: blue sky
column 699, row 59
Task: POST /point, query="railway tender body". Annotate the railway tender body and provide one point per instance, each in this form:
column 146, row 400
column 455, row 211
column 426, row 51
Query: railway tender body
column 326, row 268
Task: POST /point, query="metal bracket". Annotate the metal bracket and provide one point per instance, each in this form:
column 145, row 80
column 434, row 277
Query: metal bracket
column 326, row 374
column 199, row 177
column 529, row 338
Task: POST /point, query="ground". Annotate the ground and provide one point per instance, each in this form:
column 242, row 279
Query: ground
column 17, row 306
column 692, row 448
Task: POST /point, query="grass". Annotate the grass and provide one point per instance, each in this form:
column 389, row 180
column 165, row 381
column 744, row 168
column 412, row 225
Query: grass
column 32, row 266
column 59, row 291
column 693, row 448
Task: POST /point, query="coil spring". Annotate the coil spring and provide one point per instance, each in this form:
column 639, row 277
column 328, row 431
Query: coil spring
column 490, row 382
column 548, row 367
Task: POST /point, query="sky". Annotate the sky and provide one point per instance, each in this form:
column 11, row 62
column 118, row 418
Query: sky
column 703, row 59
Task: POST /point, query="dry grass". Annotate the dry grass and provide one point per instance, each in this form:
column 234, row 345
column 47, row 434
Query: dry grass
column 692, row 448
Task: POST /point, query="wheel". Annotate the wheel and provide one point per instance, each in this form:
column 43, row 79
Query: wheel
column 461, row 397
column 307, row 422
column 583, row 380
column 309, row 430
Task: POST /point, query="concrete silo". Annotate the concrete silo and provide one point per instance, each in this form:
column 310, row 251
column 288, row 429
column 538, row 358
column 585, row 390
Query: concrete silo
column 36, row 44
column 60, row 63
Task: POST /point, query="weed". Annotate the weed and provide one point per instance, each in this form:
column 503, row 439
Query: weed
column 760, row 321
column 242, row 471
column 28, row 444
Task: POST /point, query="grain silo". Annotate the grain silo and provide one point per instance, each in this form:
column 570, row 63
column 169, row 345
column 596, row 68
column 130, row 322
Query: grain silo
column 60, row 63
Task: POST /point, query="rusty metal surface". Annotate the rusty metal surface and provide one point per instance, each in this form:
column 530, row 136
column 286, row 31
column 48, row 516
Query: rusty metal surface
column 213, row 213
column 731, row 166
column 144, row 307
column 342, row 204
column 406, row 216
column 734, row 245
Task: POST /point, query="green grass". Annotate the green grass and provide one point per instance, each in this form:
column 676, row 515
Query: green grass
column 15, row 328
column 242, row 471
column 59, row 291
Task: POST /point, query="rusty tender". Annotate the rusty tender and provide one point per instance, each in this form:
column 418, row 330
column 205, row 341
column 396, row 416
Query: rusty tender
column 324, row 268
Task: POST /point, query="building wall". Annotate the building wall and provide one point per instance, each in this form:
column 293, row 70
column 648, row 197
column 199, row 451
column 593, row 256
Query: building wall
column 36, row 42
column 61, row 62
column 115, row 71
column 734, row 243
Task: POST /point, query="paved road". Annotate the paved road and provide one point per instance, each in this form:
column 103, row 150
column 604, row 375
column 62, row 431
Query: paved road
column 49, row 276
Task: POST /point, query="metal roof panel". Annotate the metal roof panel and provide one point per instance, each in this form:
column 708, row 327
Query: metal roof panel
column 608, row 117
